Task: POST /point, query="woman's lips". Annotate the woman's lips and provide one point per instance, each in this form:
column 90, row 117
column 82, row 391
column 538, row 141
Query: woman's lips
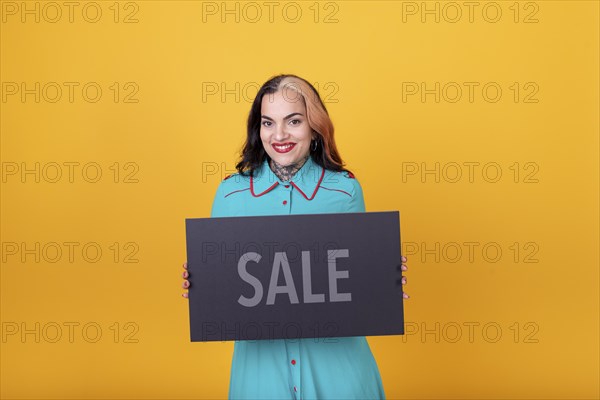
column 283, row 147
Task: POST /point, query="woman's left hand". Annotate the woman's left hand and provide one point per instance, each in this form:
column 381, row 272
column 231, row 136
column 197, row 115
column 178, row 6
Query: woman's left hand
column 404, row 268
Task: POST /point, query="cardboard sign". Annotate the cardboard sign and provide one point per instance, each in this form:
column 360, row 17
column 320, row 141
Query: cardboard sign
column 295, row 276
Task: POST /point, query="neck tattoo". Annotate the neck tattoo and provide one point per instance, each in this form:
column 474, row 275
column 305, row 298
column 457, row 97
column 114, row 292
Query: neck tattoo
column 286, row 172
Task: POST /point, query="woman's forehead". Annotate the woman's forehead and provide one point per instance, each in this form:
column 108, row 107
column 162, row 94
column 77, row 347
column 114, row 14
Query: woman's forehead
column 282, row 103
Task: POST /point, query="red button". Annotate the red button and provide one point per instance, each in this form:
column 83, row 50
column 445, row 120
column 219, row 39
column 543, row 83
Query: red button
column 284, row 202
column 293, row 362
column 287, row 186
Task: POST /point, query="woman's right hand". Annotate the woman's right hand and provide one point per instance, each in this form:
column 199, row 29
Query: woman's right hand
column 186, row 283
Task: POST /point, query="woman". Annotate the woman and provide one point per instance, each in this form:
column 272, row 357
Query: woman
column 290, row 165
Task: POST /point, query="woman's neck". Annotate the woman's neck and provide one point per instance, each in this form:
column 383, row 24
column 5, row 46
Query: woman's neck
column 286, row 172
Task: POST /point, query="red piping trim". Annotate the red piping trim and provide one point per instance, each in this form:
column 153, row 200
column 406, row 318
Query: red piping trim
column 235, row 191
column 337, row 190
column 316, row 188
column 267, row 190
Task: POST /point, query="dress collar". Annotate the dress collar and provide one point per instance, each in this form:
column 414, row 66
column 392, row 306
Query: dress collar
column 306, row 180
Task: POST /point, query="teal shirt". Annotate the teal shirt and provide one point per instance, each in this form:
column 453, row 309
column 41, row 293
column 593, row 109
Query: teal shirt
column 307, row 368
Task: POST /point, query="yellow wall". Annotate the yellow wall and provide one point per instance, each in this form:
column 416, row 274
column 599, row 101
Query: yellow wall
column 177, row 79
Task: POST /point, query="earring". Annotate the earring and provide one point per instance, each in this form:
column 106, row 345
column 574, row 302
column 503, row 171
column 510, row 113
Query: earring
column 314, row 148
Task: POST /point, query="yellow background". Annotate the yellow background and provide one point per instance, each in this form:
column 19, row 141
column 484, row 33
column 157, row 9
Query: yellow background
column 177, row 133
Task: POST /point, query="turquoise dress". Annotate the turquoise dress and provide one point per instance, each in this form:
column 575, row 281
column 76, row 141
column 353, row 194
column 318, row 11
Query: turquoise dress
column 306, row 368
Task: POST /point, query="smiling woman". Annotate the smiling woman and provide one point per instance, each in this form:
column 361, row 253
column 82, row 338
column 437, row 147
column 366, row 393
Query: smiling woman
column 290, row 165
column 291, row 122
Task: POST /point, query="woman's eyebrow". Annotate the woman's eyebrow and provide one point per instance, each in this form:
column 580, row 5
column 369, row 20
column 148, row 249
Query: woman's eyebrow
column 287, row 117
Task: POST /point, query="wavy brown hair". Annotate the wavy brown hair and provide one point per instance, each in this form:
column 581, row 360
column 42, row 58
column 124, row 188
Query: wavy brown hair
column 326, row 154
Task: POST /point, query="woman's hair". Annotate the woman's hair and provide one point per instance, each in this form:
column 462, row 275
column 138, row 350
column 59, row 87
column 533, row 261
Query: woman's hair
column 326, row 154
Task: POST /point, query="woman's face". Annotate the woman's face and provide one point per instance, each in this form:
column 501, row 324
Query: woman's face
column 284, row 128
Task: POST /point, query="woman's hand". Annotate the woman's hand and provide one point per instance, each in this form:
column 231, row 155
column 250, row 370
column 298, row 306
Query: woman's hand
column 186, row 283
column 404, row 268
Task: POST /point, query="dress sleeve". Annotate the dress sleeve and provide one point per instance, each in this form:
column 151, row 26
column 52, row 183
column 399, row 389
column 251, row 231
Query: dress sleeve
column 219, row 205
column 357, row 201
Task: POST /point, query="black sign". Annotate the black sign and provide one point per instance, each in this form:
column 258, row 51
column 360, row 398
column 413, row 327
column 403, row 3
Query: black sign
column 295, row 276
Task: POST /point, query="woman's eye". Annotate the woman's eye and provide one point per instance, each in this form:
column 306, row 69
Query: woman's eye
column 297, row 120
column 266, row 122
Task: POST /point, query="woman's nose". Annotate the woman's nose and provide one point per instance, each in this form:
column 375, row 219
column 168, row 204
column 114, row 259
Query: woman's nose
column 281, row 133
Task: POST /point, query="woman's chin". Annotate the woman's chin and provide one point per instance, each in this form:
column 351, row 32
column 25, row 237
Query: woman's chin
column 282, row 160
column 287, row 159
